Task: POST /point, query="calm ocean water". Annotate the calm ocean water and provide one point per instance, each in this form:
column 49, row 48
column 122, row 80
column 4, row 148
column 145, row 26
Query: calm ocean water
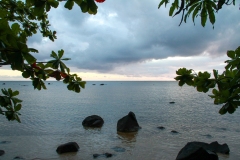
column 54, row 116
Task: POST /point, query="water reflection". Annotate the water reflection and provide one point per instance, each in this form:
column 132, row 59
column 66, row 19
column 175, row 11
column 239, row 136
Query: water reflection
column 129, row 137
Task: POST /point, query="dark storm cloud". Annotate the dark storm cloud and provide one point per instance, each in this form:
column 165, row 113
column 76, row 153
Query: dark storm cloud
column 134, row 32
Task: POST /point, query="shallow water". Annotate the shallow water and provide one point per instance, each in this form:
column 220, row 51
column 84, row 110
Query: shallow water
column 54, row 116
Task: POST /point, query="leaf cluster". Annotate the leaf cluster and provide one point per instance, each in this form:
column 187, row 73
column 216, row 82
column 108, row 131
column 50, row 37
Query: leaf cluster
column 22, row 19
column 225, row 87
column 205, row 9
column 10, row 105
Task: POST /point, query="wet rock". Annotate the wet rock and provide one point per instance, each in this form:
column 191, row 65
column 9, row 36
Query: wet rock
column 196, row 153
column 18, row 158
column 106, row 155
column 161, row 127
column 128, row 123
column 102, row 84
column 93, row 84
column 119, row 149
column 5, row 142
column 93, row 121
column 216, row 147
column 67, row 147
column 2, row 152
column 195, row 149
column 171, row 102
column 207, row 135
column 173, row 131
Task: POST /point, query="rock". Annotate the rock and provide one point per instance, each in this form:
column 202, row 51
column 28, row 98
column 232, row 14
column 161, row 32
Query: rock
column 161, row 127
column 216, row 147
column 196, row 153
column 5, row 142
column 106, row 155
column 67, row 147
column 192, row 148
column 93, row 121
column 128, row 123
column 2, row 152
column 173, row 131
column 171, row 102
column 93, row 84
column 19, row 158
column 102, row 84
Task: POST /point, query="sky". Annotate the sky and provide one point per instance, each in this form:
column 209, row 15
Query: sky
column 134, row 40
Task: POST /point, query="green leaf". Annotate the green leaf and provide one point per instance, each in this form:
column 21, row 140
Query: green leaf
column 53, row 3
column 161, row 3
column 77, row 88
column 60, row 53
column 196, row 10
column 69, row 4
column 211, row 14
column 15, row 28
column 203, row 16
column 231, row 54
column 82, row 84
column 39, row 8
column 15, row 93
column 17, row 107
column 54, row 55
column 172, row 8
column 29, row 58
column 84, row 7
column 25, row 74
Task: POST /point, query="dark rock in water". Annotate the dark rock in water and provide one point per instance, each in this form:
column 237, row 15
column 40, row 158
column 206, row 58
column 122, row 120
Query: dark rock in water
column 2, row 152
column 3, row 84
column 191, row 149
column 106, row 155
column 5, row 142
column 216, row 147
column 93, row 121
column 67, row 147
column 49, row 83
column 128, row 123
column 173, row 131
column 196, row 153
column 93, row 84
column 119, row 149
column 207, row 135
column 161, row 127
column 171, row 102
column 19, row 158
column 102, row 84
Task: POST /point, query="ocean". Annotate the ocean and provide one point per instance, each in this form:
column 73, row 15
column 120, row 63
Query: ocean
column 54, row 116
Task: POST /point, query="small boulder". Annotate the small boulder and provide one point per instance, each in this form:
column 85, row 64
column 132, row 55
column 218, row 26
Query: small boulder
column 196, row 153
column 171, row 102
column 128, row 123
column 18, row 158
column 2, row 152
column 67, row 147
column 93, row 121
column 192, row 148
column 106, row 155
column 173, row 131
column 161, row 127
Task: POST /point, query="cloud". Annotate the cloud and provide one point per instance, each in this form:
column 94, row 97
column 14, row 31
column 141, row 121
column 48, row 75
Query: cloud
column 134, row 34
